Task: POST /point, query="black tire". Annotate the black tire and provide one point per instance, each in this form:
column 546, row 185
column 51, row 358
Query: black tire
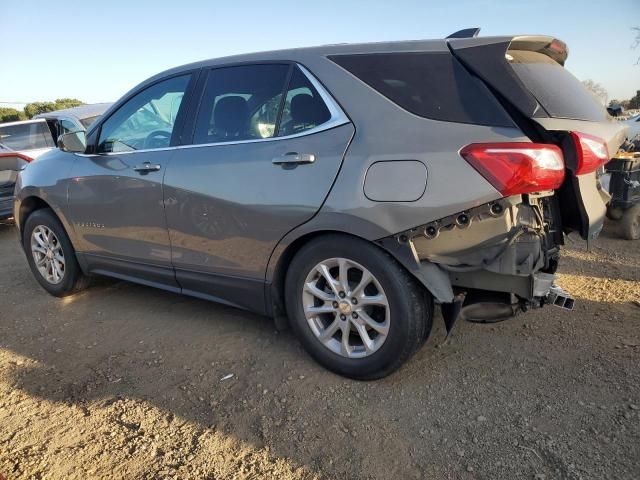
column 614, row 213
column 410, row 306
column 73, row 280
column 630, row 223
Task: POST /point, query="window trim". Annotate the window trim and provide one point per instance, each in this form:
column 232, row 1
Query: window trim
column 337, row 119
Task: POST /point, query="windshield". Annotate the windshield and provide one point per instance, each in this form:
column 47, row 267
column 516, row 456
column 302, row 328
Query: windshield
column 26, row 136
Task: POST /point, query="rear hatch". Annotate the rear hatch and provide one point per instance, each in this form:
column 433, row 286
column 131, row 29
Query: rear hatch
column 527, row 74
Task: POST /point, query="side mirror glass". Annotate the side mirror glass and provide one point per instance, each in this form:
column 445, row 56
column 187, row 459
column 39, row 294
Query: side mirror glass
column 73, row 142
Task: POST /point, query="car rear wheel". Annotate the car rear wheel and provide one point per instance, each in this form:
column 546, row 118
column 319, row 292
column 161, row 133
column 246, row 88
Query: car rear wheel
column 50, row 254
column 354, row 308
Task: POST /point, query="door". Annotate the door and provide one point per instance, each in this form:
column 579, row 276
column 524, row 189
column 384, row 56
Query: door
column 115, row 197
column 267, row 145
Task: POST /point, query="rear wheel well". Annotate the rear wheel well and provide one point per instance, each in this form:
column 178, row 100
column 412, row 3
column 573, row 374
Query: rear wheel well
column 276, row 293
column 276, row 300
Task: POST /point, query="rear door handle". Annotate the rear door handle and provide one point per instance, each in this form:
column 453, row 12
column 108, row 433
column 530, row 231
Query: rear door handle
column 147, row 167
column 294, row 158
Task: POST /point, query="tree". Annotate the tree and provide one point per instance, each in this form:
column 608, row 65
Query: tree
column 35, row 108
column 11, row 115
column 635, row 100
column 636, row 41
column 598, row 90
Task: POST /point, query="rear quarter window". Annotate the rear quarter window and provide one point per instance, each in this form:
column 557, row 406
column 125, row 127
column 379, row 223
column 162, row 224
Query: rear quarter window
column 554, row 87
column 432, row 85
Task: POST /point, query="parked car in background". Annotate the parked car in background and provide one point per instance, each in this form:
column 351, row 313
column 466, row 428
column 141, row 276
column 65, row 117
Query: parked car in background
column 73, row 119
column 26, row 140
column 32, row 138
column 29, row 137
column 345, row 187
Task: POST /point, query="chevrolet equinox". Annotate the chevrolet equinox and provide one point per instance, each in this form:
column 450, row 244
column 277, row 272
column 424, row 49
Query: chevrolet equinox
column 341, row 189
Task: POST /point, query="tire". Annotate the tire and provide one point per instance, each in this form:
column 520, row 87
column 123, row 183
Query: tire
column 396, row 324
column 71, row 279
column 630, row 223
column 614, row 213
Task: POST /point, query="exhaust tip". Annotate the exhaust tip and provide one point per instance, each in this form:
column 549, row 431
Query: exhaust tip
column 559, row 298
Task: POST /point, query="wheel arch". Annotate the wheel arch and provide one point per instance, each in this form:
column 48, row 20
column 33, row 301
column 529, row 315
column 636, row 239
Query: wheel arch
column 29, row 205
column 274, row 292
column 32, row 203
column 275, row 285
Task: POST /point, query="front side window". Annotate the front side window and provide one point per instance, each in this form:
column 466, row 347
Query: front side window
column 146, row 121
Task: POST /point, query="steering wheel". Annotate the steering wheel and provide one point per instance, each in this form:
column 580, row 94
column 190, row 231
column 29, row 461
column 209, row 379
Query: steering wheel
column 157, row 139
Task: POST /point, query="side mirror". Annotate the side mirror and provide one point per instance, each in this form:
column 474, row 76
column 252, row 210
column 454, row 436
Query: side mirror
column 73, row 142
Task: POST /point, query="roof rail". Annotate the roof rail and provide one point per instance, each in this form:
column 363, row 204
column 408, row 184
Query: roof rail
column 466, row 33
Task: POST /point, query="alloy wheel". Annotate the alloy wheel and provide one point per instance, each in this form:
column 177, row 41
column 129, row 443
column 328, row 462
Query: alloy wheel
column 346, row 308
column 48, row 254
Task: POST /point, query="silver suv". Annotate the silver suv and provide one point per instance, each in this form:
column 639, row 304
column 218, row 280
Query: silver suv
column 341, row 189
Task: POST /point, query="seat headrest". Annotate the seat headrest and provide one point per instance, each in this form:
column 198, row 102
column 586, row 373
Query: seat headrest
column 231, row 115
column 308, row 109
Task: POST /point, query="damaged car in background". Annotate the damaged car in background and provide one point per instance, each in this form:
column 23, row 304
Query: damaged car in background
column 24, row 141
column 342, row 189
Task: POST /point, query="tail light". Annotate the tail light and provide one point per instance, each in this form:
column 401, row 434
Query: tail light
column 517, row 168
column 592, row 152
column 22, row 156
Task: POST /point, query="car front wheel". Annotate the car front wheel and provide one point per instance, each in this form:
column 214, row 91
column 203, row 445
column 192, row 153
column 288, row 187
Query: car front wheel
column 50, row 254
column 354, row 308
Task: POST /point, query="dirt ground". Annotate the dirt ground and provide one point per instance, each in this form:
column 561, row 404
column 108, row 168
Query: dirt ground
column 126, row 382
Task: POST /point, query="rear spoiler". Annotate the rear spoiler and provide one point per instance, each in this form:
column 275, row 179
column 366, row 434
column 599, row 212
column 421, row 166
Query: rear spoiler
column 486, row 57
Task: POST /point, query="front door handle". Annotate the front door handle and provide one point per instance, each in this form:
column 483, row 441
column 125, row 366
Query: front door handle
column 294, row 158
column 147, row 167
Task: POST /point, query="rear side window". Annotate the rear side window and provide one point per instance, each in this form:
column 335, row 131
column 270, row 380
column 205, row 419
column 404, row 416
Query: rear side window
column 241, row 103
column 558, row 91
column 429, row 84
column 253, row 102
column 304, row 109
column 26, row 136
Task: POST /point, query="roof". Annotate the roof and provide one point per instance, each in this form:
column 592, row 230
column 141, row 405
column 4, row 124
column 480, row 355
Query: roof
column 21, row 122
column 83, row 111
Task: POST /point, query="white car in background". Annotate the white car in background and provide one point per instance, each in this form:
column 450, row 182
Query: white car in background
column 31, row 138
column 26, row 140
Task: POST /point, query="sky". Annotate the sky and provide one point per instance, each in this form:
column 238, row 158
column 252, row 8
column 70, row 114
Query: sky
column 97, row 51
